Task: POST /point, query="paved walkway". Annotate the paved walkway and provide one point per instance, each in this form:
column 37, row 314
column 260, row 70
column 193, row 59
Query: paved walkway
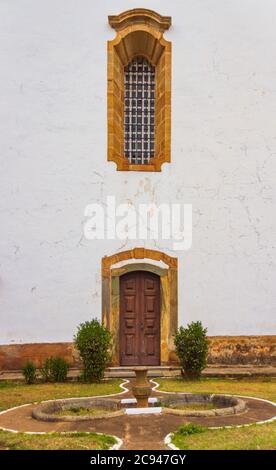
column 144, row 432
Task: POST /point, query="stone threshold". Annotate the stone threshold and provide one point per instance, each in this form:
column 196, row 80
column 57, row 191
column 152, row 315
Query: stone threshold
column 214, row 370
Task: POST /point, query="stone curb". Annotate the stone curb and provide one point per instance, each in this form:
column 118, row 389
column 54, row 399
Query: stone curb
column 46, row 411
column 236, row 405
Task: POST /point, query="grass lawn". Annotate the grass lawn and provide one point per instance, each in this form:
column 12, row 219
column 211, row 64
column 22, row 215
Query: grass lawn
column 14, row 394
column 256, row 437
column 55, row 441
column 261, row 387
column 246, row 438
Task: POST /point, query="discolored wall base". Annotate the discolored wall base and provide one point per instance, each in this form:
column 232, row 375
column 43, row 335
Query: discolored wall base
column 14, row 356
column 228, row 350
column 238, row 350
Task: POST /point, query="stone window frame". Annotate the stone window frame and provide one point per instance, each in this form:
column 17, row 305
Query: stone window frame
column 139, row 32
column 168, row 290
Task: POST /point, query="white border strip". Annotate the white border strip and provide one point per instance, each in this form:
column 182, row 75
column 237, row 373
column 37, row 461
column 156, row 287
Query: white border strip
column 143, row 411
column 168, row 442
column 119, row 442
column 133, row 401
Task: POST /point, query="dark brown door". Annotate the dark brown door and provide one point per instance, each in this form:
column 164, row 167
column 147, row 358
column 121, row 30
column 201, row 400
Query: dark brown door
column 139, row 319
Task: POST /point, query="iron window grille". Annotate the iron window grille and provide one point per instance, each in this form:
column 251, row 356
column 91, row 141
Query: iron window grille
column 139, row 103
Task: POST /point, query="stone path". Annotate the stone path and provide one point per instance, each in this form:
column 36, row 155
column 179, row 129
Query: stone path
column 139, row 432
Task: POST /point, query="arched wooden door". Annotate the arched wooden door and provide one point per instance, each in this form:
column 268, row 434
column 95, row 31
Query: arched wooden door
column 139, row 319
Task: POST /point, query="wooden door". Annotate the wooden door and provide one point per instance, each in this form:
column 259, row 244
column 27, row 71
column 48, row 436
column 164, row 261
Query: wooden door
column 139, row 319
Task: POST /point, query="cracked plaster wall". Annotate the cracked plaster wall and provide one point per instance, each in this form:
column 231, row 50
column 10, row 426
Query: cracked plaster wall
column 54, row 162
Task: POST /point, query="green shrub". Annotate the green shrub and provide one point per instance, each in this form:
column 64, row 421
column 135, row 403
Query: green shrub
column 192, row 349
column 59, row 369
column 93, row 341
column 46, row 370
column 188, row 429
column 54, row 369
column 29, row 372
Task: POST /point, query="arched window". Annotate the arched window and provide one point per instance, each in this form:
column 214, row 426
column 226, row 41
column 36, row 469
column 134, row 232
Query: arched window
column 139, row 111
column 139, row 91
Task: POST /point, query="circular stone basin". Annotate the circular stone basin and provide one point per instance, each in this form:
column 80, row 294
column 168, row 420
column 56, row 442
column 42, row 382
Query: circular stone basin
column 215, row 405
column 82, row 409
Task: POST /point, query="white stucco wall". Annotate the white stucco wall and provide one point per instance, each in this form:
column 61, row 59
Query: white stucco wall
column 53, row 162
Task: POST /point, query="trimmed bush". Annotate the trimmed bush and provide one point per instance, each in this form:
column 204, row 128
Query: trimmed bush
column 192, row 348
column 93, row 342
column 54, row 369
column 29, row 372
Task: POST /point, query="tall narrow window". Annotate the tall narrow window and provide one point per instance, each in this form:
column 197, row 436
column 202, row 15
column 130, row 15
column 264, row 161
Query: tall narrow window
column 139, row 90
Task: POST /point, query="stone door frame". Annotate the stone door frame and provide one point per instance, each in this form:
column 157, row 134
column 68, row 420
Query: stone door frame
column 168, row 296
